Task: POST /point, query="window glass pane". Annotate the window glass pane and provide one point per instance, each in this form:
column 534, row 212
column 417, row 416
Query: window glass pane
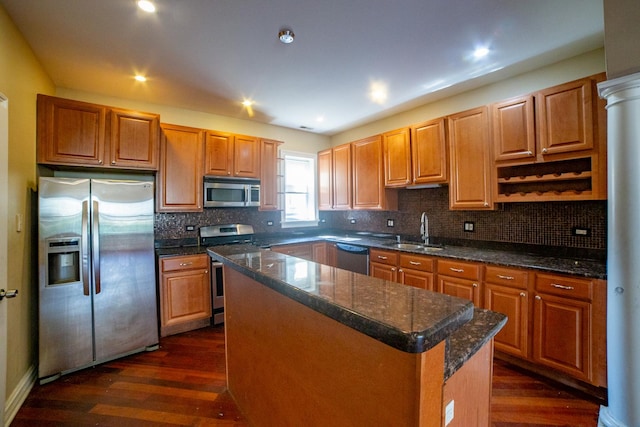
column 299, row 189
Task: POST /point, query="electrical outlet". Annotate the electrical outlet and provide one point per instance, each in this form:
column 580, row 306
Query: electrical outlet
column 469, row 226
column 190, row 227
column 269, row 223
column 581, row 231
column 352, row 220
column 322, row 220
column 390, row 223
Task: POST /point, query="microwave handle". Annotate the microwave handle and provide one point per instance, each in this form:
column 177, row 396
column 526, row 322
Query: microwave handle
column 247, row 195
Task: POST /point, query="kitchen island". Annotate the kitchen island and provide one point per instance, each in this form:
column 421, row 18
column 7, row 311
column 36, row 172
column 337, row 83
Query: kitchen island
column 310, row 344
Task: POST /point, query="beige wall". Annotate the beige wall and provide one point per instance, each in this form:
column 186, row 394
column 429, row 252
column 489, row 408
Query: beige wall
column 294, row 139
column 21, row 77
column 561, row 72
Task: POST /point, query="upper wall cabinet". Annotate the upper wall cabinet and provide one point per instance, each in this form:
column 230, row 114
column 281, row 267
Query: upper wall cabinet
column 269, row 175
column 470, row 183
column 229, row 155
column 397, row 158
column 180, row 182
column 429, row 153
column 325, row 180
column 75, row 133
column 368, row 176
column 551, row 145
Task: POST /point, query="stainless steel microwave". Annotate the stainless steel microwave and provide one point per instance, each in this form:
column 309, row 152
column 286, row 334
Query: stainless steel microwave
column 231, row 193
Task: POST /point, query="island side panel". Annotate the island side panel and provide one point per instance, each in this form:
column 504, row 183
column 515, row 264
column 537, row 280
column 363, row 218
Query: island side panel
column 288, row 365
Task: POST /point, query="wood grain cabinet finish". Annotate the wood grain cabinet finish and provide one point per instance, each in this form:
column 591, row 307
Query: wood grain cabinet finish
column 460, row 279
column 185, row 293
column 269, row 175
column 416, row 271
column 470, row 181
column 368, row 176
column 506, row 291
column 383, row 264
column 569, row 326
column 429, row 152
column 325, row 180
column 180, row 178
column 397, row 158
column 342, row 184
column 514, row 129
column 76, row 133
column 229, row 155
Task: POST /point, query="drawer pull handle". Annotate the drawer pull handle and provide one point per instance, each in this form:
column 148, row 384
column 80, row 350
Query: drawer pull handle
column 415, row 263
column 457, row 270
column 184, row 264
column 500, row 276
column 568, row 288
column 382, row 257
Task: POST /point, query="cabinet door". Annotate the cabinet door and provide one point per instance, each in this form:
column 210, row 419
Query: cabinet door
column 383, row 271
column 180, row 175
column 134, row 139
column 565, row 117
column 342, row 183
column 299, row 250
column 368, row 179
column 325, row 180
column 462, row 288
column 186, row 296
column 319, row 250
column 514, row 133
column 218, row 154
column 332, row 254
column 429, row 153
column 70, row 132
column 397, row 158
column 269, row 175
column 470, row 183
column 562, row 334
column 246, row 157
column 416, row 278
column 513, row 337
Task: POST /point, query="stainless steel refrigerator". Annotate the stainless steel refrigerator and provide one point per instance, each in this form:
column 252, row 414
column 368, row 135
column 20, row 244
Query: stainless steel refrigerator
column 97, row 285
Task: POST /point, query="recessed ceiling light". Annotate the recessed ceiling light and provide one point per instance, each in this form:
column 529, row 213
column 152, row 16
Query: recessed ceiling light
column 378, row 92
column 147, row 6
column 286, row 36
column 480, row 52
column 320, row 119
column 140, row 78
column 247, row 103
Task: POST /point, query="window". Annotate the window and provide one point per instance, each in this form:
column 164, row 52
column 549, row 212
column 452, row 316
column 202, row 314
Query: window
column 300, row 206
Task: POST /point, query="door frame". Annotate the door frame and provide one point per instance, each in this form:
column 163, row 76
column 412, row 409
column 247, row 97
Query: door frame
column 4, row 220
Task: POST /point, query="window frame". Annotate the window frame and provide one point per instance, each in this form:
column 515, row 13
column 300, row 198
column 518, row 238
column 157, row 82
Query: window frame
column 313, row 159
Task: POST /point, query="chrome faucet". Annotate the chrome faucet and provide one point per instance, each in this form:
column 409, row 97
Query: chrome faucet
column 424, row 228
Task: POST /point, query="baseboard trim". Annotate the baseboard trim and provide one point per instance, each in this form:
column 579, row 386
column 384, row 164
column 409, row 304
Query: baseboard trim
column 19, row 395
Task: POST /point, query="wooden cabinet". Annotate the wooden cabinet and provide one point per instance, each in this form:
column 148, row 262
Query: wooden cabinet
column 470, row 181
column 185, row 293
column 460, row 279
column 78, row 133
column 319, row 252
column 397, row 158
column 269, row 175
column 383, row 264
column 313, row 251
column 180, row 178
column 506, row 291
column 429, row 153
column 230, row 155
column 368, row 177
column 342, row 184
column 416, row 270
column 514, row 129
column 325, row 180
column 568, row 328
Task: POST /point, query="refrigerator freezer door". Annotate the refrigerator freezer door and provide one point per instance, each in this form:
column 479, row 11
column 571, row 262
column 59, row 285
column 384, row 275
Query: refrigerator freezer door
column 125, row 314
column 65, row 304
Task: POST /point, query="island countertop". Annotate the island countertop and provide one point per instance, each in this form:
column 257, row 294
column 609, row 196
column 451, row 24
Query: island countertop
column 409, row 319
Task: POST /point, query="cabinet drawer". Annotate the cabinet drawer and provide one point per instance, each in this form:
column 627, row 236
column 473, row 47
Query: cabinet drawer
column 184, row 262
column 416, row 262
column 565, row 286
column 383, row 257
column 506, row 276
column 459, row 269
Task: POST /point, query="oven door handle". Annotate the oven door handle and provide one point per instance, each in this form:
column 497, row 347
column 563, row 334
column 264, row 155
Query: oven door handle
column 215, row 264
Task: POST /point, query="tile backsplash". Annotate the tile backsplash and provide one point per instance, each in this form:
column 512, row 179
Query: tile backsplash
column 544, row 224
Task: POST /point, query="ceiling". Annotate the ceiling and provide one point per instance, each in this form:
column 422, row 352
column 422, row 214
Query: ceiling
column 210, row 55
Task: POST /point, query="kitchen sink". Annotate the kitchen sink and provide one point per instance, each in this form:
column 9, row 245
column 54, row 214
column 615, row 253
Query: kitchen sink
column 416, row 247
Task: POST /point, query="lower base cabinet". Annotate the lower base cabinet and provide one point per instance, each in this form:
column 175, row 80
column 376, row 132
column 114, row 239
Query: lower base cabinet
column 460, row 279
column 185, row 293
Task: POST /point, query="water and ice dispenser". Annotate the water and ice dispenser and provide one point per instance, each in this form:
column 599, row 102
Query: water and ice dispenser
column 63, row 261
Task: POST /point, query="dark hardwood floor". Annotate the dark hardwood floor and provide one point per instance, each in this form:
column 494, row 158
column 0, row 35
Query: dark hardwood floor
column 183, row 383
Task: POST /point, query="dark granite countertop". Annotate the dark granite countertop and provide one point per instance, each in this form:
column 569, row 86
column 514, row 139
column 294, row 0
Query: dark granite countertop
column 407, row 318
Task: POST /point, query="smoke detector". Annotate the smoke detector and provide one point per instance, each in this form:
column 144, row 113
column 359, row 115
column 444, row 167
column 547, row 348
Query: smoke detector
column 286, row 36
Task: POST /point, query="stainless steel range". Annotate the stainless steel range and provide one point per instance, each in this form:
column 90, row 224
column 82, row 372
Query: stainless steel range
column 215, row 235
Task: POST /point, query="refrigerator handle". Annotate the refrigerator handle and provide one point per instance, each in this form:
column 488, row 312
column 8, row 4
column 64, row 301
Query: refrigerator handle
column 85, row 247
column 96, row 248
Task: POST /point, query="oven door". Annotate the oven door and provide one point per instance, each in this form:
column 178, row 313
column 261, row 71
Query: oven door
column 217, row 292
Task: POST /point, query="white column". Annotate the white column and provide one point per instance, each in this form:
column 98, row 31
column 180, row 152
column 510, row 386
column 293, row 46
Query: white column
column 623, row 257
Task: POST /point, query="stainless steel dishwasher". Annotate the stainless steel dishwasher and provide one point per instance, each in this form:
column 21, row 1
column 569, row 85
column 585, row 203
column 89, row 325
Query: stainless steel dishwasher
column 353, row 258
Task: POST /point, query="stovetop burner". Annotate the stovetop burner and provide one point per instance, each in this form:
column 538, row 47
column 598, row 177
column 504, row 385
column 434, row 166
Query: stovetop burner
column 225, row 234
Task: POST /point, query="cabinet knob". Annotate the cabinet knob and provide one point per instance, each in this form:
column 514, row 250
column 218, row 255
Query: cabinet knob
column 522, row 294
column 475, row 285
column 545, row 151
column 228, row 173
column 529, row 153
column 99, row 161
column 113, row 162
column 393, row 269
column 538, row 297
column 486, row 204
